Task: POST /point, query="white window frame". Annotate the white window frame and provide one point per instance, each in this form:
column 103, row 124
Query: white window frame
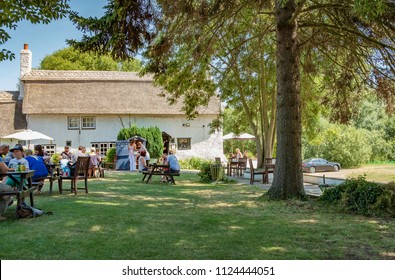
column 84, row 122
column 91, row 124
column 74, row 120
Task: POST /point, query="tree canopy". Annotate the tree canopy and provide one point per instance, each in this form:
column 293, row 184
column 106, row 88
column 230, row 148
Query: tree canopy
column 72, row 59
column 193, row 39
column 35, row 11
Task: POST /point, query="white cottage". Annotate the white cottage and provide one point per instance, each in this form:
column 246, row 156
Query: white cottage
column 90, row 107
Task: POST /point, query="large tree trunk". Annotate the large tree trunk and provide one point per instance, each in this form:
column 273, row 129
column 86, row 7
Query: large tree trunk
column 288, row 178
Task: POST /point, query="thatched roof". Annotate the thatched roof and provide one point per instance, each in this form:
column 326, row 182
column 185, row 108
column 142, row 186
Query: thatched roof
column 11, row 117
column 97, row 92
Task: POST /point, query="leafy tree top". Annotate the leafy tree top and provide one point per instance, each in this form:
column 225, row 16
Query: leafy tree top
column 35, row 11
column 72, row 59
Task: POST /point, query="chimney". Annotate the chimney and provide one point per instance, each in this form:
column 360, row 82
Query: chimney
column 25, row 67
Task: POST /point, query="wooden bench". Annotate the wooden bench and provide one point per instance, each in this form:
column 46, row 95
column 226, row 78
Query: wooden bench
column 20, row 196
column 53, row 175
column 157, row 170
column 21, row 191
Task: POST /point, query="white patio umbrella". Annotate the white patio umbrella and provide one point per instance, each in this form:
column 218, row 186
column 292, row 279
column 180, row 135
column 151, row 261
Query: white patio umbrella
column 27, row 135
column 243, row 136
column 246, row 136
column 229, row 136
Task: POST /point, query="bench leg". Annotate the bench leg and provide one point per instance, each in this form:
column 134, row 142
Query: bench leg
column 31, row 199
column 172, row 180
column 149, row 179
column 50, row 186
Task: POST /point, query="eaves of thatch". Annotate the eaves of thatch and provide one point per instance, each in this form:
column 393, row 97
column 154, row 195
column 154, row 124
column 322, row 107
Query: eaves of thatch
column 11, row 117
column 98, row 92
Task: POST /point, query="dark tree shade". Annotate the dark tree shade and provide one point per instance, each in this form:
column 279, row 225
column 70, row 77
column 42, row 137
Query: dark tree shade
column 125, row 27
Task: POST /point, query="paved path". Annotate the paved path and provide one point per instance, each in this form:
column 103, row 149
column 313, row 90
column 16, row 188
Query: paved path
column 310, row 189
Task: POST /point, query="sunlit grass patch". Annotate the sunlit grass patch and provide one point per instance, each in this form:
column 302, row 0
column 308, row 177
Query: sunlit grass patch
column 123, row 218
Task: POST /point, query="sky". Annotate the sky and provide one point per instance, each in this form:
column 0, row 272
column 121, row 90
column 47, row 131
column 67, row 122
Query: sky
column 43, row 39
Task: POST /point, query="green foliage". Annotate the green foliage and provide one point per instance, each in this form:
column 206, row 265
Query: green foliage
column 110, row 156
column 341, row 143
column 55, row 158
column 362, row 197
column 72, row 59
column 205, row 172
column 153, row 135
column 369, row 9
column 204, row 166
column 194, row 163
column 34, row 11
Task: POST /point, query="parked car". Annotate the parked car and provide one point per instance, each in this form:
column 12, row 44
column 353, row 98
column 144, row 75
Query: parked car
column 312, row 165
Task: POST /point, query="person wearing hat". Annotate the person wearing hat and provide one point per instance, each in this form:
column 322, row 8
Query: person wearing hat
column 18, row 159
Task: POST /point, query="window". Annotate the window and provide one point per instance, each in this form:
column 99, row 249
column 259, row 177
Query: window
column 103, row 146
column 88, row 123
column 74, row 122
column 50, row 149
column 81, row 122
column 184, row 143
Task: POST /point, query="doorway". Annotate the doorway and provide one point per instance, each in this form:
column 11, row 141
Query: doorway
column 166, row 142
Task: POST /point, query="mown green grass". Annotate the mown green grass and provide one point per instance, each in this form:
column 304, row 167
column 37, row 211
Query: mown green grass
column 376, row 171
column 124, row 218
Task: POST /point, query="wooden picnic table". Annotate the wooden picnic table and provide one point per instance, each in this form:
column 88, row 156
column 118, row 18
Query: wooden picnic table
column 21, row 191
column 159, row 170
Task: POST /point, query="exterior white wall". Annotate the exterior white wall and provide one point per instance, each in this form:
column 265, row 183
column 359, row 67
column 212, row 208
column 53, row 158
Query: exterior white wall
column 203, row 144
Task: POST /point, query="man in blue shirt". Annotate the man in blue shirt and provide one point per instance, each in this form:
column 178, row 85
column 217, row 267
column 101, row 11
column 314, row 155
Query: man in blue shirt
column 172, row 161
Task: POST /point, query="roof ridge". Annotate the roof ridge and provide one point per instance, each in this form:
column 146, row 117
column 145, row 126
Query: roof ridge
column 85, row 75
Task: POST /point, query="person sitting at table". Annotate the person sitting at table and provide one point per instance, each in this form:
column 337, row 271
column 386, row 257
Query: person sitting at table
column 238, row 154
column 163, row 160
column 66, row 154
column 17, row 162
column 80, row 153
column 36, row 163
column 142, row 162
column 39, row 151
column 172, row 162
column 6, row 200
column 5, row 153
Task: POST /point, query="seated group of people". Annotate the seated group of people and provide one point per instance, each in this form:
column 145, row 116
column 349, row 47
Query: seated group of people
column 68, row 159
column 238, row 154
column 18, row 160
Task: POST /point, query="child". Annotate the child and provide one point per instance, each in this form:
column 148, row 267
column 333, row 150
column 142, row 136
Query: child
column 16, row 162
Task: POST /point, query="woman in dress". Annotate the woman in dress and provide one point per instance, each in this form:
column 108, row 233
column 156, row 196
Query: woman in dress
column 132, row 157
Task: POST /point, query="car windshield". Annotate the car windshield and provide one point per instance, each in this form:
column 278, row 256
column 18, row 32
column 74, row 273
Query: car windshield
column 307, row 160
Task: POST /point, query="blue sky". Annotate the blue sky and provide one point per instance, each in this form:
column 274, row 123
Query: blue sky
column 43, row 39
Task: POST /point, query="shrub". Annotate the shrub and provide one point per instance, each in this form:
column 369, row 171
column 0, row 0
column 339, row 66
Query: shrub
column 193, row 163
column 340, row 143
column 111, row 154
column 362, row 197
column 205, row 172
column 153, row 135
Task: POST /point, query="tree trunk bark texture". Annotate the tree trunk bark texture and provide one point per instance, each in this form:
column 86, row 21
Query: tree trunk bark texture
column 288, row 177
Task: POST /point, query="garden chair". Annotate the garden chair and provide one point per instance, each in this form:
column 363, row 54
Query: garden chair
column 80, row 172
column 254, row 172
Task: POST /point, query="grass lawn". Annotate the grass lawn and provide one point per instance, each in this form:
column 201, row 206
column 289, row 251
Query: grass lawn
column 123, row 218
